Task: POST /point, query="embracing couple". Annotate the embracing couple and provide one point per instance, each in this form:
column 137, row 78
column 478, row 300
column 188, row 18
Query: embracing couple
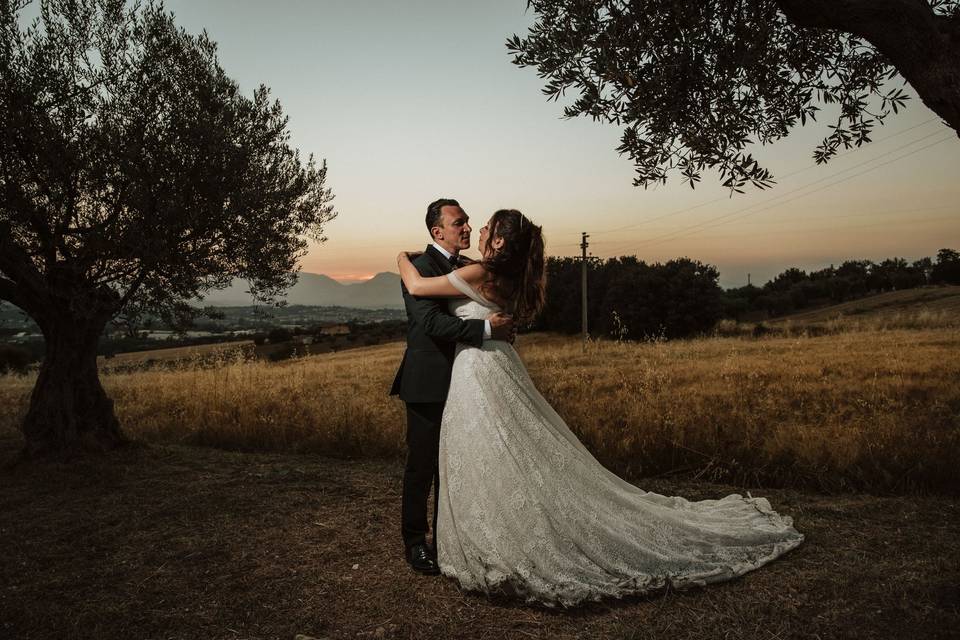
column 520, row 506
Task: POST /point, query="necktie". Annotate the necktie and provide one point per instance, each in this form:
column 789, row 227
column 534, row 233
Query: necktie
column 454, row 260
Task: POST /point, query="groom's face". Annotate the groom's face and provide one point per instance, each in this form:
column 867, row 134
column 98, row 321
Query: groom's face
column 453, row 234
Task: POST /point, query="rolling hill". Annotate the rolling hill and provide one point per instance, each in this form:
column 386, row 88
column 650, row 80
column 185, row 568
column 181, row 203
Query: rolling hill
column 932, row 299
column 315, row 289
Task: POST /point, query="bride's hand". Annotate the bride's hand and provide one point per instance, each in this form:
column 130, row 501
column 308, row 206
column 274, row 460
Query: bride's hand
column 408, row 255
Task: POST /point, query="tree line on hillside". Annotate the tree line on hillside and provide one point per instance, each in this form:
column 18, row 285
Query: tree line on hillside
column 795, row 289
column 631, row 299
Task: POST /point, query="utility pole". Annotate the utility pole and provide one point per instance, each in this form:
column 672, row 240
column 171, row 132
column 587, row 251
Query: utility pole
column 748, row 279
column 583, row 289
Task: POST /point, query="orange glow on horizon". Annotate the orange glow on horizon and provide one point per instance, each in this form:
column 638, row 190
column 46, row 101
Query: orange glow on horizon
column 351, row 278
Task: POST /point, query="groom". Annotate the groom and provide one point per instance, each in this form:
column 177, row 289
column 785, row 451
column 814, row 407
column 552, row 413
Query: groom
column 424, row 375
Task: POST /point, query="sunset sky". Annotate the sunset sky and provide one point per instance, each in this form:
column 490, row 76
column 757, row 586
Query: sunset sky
column 411, row 101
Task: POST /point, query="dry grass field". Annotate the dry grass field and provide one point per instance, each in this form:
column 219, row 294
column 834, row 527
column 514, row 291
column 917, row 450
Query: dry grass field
column 933, row 307
column 909, row 308
column 855, row 433
column 875, row 410
column 175, row 355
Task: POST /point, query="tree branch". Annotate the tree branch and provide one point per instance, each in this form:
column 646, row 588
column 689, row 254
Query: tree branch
column 8, row 291
column 854, row 16
column 134, row 286
column 923, row 46
column 16, row 264
column 15, row 295
column 111, row 217
column 44, row 232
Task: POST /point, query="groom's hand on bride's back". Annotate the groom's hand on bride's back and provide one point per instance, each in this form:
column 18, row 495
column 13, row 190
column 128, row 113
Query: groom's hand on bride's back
column 502, row 327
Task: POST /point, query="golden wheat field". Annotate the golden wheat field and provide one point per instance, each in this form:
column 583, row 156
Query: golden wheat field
column 874, row 410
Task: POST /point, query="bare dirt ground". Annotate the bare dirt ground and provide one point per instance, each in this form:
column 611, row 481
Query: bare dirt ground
column 189, row 542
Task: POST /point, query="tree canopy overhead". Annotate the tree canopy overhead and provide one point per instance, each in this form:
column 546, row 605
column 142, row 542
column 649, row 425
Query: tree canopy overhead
column 694, row 82
column 133, row 175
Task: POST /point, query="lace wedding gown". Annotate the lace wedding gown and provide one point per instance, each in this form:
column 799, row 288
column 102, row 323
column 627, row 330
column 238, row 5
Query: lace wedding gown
column 525, row 509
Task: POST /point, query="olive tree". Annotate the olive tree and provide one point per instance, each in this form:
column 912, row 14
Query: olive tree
column 694, row 82
column 134, row 177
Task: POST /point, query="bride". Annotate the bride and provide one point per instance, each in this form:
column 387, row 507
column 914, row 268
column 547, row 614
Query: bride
column 524, row 508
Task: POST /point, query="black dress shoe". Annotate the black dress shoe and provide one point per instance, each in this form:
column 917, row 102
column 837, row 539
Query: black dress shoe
column 421, row 561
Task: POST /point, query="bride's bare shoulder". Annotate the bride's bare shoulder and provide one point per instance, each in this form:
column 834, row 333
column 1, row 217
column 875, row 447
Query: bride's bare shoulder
column 479, row 279
column 473, row 274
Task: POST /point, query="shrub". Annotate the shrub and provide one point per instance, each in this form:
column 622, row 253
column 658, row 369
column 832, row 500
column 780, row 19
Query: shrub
column 13, row 359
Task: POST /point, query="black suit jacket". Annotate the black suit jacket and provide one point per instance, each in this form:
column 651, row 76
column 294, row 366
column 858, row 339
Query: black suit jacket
column 432, row 337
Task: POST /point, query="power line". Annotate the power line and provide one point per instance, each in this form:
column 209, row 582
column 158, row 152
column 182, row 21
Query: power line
column 872, row 214
column 741, row 213
column 795, row 190
column 855, row 226
column 785, row 176
column 803, row 195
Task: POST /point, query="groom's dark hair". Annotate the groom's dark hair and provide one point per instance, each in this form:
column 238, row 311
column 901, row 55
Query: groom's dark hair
column 433, row 212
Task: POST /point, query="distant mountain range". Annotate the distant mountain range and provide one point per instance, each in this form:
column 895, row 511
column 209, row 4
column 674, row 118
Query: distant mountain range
column 315, row 289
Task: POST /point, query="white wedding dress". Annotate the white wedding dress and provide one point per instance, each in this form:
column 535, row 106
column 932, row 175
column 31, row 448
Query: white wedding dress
column 525, row 509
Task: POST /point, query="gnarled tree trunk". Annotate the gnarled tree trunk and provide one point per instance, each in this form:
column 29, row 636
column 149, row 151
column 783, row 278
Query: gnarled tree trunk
column 69, row 409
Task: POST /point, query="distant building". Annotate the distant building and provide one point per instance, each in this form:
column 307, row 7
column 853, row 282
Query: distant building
column 172, row 335
column 335, row 330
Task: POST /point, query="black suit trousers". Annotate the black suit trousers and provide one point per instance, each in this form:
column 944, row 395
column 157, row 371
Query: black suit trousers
column 422, row 471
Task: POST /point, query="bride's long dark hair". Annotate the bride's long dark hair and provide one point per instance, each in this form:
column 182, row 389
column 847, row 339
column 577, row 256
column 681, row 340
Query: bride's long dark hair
column 517, row 268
